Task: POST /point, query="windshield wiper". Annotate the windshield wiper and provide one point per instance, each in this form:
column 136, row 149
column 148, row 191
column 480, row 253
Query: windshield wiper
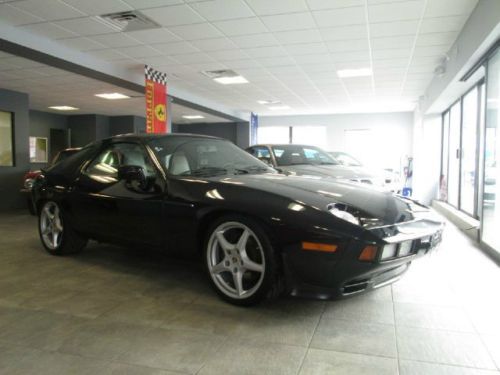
column 205, row 171
column 249, row 169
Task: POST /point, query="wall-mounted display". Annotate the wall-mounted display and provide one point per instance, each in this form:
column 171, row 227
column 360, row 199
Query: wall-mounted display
column 6, row 140
column 39, row 150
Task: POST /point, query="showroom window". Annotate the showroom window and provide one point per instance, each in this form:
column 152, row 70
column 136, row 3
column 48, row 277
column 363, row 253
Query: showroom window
column 306, row 135
column 6, row 140
column 490, row 209
column 273, row 134
column 460, row 152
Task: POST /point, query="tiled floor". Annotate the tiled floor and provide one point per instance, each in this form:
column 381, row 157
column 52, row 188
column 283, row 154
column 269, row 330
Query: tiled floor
column 117, row 311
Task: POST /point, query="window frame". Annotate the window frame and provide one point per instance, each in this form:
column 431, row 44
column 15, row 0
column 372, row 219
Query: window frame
column 479, row 141
column 12, row 138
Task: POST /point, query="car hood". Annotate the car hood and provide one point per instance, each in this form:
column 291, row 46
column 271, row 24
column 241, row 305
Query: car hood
column 335, row 171
column 317, row 193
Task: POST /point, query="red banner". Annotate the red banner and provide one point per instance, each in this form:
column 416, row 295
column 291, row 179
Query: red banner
column 156, row 101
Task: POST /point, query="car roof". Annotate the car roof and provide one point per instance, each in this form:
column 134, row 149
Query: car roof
column 147, row 137
column 281, row 145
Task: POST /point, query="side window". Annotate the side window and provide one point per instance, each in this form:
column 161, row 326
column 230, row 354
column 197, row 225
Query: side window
column 106, row 164
column 261, row 152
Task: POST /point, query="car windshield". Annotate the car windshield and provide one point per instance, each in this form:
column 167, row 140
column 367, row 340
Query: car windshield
column 296, row 155
column 346, row 159
column 191, row 156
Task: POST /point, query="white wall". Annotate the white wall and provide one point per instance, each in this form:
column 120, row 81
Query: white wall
column 392, row 132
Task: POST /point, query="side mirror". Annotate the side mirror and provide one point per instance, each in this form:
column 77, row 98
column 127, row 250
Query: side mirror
column 131, row 173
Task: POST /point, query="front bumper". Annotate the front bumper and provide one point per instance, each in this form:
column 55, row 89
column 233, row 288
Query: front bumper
column 342, row 274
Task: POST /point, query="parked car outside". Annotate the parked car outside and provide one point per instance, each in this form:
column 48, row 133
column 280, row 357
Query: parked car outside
column 388, row 175
column 30, row 176
column 303, row 160
column 259, row 233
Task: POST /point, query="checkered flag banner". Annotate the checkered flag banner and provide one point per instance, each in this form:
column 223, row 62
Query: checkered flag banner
column 154, row 75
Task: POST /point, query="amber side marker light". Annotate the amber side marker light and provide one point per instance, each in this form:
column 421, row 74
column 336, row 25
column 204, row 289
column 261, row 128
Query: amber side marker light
column 315, row 246
column 369, row 253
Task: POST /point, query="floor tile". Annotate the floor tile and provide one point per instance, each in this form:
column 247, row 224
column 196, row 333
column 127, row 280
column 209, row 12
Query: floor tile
column 352, row 337
column 239, row 357
column 325, row 362
column 492, row 343
column 433, row 317
column 145, row 310
column 359, row 309
column 116, row 368
column 102, row 339
column 222, row 319
column 39, row 329
column 422, row 368
column 172, row 350
column 280, row 328
column 445, row 347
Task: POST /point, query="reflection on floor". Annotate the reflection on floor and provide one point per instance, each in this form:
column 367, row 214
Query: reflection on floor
column 115, row 311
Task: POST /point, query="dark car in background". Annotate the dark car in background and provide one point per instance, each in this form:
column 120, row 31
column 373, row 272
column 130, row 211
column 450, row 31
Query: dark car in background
column 303, row 160
column 259, row 233
column 30, row 176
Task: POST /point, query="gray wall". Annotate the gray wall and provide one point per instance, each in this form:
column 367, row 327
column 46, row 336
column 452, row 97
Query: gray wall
column 127, row 124
column 11, row 177
column 88, row 128
column 40, row 125
column 225, row 130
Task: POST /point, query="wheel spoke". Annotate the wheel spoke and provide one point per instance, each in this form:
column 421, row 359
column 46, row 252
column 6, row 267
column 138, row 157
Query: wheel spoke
column 58, row 224
column 238, row 282
column 218, row 268
column 242, row 242
column 55, row 238
column 47, row 212
column 223, row 242
column 46, row 229
column 250, row 265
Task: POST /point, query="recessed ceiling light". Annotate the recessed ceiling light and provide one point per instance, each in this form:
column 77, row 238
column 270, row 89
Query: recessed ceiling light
column 278, row 107
column 64, row 108
column 112, row 96
column 267, row 102
column 349, row 73
column 225, row 76
column 192, row 117
column 231, row 80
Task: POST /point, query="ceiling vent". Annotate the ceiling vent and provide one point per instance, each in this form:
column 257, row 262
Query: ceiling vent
column 128, row 21
column 220, row 73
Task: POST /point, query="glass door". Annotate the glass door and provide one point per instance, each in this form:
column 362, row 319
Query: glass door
column 454, row 154
column 443, row 183
column 468, row 152
column 490, row 233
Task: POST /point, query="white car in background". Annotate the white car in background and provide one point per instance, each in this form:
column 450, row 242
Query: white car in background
column 311, row 161
column 389, row 176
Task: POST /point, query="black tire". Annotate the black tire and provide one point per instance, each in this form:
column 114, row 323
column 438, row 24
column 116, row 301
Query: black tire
column 269, row 282
column 70, row 242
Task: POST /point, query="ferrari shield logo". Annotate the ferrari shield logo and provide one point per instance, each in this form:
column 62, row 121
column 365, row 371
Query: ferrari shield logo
column 160, row 112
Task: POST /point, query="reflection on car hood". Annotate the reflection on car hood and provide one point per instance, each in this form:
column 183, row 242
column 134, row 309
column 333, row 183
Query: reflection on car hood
column 336, row 171
column 318, row 192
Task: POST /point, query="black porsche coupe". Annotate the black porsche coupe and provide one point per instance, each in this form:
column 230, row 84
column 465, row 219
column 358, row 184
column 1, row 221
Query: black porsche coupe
column 260, row 233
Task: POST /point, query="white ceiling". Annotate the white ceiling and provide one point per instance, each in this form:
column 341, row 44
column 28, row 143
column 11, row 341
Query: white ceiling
column 49, row 86
column 289, row 50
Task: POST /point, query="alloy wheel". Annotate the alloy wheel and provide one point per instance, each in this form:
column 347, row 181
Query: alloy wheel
column 51, row 226
column 236, row 260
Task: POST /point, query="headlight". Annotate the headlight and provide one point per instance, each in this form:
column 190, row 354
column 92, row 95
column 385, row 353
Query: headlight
column 339, row 210
column 389, row 251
